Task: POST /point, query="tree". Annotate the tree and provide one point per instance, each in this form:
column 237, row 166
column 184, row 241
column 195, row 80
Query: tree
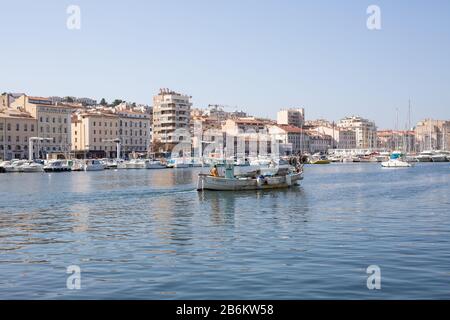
column 116, row 102
column 69, row 99
column 103, row 102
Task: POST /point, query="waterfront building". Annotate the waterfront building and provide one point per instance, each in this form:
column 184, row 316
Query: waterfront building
column 93, row 134
column 134, row 131
column 365, row 131
column 249, row 136
column 432, row 135
column 396, row 140
column 341, row 138
column 292, row 140
column 319, row 142
column 53, row 123
column 16, row 127
column 292, row 117
column 171, row 118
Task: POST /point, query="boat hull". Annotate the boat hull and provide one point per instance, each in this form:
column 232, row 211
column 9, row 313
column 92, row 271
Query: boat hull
column 206, row 182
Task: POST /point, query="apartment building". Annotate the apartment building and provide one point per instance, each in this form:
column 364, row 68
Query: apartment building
column 396, row 140
column 365, row 131
column 171, row 112
column 292, row 140
column 432, row 135
column 16, row 127
column 134, row 131
column 53, row 123
column 291, row 117
column 94, row 135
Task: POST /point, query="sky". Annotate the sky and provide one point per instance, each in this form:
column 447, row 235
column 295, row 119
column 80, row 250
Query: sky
column 258, row 56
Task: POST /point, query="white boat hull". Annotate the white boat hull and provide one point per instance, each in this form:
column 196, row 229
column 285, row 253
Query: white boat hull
column 395, row 164
column 206, row 182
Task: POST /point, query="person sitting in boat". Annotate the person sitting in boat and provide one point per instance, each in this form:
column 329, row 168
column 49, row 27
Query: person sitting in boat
column 214, row 172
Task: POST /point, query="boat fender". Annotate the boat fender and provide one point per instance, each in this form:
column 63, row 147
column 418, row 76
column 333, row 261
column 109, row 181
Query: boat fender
column 288, row 180
column 260, row 181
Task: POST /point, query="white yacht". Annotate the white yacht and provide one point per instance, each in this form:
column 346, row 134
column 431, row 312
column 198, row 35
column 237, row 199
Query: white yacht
column 31, row 166
column 56, row 166
column 154, row 164
column 177, row 163
column 425, row 156
column 93, row 165
column 15, row 166
column 439, row 156
column 397, row 160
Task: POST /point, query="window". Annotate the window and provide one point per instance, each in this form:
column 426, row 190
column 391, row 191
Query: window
column 95, row 140
column 41, row 120
column 17, row 127
column 53, row 120
column 94, row 123
column 32, row 128
column 65, row 120
column 17, row 139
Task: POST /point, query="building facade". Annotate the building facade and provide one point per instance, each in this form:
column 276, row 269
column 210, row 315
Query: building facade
column 53, row 123
column 291, row 117
column 432, row 135
column 16, row 128
column 365, row 131
column 396, row 140
column 171, row 118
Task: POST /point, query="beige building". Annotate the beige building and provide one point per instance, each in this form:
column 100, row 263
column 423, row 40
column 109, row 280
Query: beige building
column 293, row 140
column 341, row 138
column 432, row 135
column 53, row 123
column 16, row 127
column 292, row 117
column 93, row 135
column 134, row 131
column 365, row 131
column 171, row 112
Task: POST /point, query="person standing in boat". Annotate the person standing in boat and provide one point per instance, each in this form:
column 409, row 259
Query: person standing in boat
column 214, row 172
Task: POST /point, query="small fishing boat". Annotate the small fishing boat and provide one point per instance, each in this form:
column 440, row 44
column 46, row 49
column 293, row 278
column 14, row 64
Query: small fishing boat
column 397, row 160
column 154, row 164
column 283, row 178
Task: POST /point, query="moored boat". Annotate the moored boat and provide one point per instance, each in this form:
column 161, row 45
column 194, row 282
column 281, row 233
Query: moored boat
column 56, row 166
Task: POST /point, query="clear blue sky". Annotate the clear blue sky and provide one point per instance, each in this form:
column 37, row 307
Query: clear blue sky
column 258, row 55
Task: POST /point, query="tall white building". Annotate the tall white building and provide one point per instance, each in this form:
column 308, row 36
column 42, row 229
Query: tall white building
column 171, row 112
column 365, row 131
column 291, row 117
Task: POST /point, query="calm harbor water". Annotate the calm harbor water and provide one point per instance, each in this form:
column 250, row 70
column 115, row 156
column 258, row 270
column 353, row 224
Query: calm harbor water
column 147, row 234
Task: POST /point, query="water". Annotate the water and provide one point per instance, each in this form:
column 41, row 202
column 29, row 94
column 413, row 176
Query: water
column 147, row 234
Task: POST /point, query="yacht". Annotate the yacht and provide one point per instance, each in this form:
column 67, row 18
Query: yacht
column 56, row 166
column 397, row 160
column 425, row 156
column 3, row 164
column 154, row 164
column 15, row 166
column 93, row 165
column 177, row 163
column 439, row 156
column 31, row 166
